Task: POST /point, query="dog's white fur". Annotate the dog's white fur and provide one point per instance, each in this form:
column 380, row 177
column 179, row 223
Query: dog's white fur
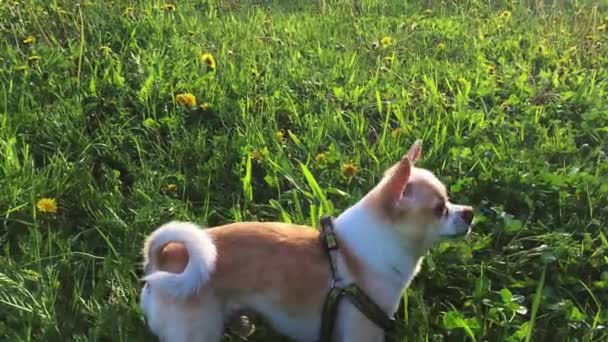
column 186, row 305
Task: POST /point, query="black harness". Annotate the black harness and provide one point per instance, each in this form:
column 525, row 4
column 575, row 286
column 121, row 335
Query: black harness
column 354, row 293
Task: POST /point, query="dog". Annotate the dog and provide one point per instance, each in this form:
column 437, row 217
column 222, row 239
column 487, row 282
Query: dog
column 195, row 279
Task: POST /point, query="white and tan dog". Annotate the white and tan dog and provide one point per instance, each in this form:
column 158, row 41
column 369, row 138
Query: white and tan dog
column 197, row 278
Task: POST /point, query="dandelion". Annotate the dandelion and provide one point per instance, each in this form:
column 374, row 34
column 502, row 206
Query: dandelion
column 29, row 40
column 34, row 58
column 209, row 60
column 440, row 46
column 169, row 7
column 47, row 205
column 388, row 60
column 256, row 155
column 349, row 170
column 280, row 135
column 61, row 11
column 186, row 99
column 321, row 158
column 105, row 49
column 386, row 41
column 149, row 123
column 259, row 154
column 206, row 106
column 592, row 37
column 397, row 132
column 505, row 14
column 171, row 187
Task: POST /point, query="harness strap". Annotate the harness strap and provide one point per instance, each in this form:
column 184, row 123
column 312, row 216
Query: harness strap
column 369, row 308
column 330, row 312
column 330, row 244
column 354, row 293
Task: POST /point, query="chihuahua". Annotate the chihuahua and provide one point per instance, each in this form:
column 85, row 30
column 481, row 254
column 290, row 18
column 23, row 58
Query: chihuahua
column 195, row 279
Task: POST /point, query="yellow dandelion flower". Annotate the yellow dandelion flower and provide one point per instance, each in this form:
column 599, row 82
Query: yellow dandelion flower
column 440, row 46
column 397, row 132
column 280, row 135
column 186, row 99
column 169, row 7
column 105, row 49
column 321, row 158
column 171, row 187
column 592, row 37
column 209, row 60
column 349, row 170
column 257, row 155
column 388, row 60
column 47, row 205
column 386, row 41
column 505, row 14
column 149, row 123
column 61, row 11
column 34, row 58
column 206, row 106
column 29, row 40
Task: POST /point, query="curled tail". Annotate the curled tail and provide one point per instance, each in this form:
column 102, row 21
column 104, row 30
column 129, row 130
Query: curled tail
column 200, row 252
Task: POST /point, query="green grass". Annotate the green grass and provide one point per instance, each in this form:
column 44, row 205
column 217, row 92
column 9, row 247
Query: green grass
column 513, row 111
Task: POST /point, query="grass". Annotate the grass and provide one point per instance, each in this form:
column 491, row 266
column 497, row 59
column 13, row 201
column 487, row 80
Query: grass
column 308, row 103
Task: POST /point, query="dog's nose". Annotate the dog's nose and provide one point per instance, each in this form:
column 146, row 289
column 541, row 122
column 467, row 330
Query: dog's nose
column 467, row 215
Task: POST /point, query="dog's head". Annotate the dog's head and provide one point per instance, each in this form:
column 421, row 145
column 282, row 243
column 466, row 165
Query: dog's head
column 417, row 205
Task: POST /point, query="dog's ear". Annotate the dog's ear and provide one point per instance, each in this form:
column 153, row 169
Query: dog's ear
column 415, row 151
column 397, row 178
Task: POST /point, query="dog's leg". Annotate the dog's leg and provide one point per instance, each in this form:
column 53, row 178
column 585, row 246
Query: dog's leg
column 200, row 319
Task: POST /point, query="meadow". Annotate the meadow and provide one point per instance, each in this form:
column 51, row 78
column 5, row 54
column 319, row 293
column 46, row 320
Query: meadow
column 117, row 116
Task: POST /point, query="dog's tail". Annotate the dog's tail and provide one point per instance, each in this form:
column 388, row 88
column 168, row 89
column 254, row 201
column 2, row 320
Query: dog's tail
column 196, row 254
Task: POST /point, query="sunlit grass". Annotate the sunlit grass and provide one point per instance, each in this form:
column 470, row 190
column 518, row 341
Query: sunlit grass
column 120, row 116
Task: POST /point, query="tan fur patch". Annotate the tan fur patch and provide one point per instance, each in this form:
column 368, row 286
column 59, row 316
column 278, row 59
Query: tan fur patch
column 173, row 257
column 282, row 261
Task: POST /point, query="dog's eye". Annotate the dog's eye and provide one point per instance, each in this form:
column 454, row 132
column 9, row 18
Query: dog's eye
column 440, row 210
